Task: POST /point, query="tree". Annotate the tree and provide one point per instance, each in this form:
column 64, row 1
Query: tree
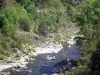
column 9, row 21
column 95, row 61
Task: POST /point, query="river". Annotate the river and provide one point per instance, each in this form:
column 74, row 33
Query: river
column 33, row 68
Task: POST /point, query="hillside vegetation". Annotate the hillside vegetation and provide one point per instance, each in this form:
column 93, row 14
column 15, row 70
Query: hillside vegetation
column 40, row 17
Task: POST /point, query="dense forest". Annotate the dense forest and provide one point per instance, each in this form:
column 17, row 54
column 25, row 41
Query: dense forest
column 48, row 16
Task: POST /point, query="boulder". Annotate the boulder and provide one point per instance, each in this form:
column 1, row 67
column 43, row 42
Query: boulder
column 52, row 35
column 16, row 67
column 25, row 52
column 15, row 50
column 7, row 59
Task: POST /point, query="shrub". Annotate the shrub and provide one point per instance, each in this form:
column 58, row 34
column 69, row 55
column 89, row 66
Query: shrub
column 95, row 61
column 25, row 24
column 9, row 21
column 1, row 57
column 24, row 3
column 79, row 71
column 43, row 28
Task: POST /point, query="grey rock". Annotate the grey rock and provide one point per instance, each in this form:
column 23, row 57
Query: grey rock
column 7, row 59
column 15, row 50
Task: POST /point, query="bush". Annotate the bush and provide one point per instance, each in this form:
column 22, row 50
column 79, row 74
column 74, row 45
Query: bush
column 43, row 28
column 1, row 57
column 9, row 21
column 79, row 71
column 95, row 61
column 8, row 43
column 25, row 24
column 24, row 3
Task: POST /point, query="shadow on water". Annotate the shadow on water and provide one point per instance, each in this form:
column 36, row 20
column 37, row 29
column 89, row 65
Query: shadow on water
column 42, row 60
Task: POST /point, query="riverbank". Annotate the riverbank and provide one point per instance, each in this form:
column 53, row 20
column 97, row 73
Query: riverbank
column 48, row 50
column 19, row 63
column 44, row 48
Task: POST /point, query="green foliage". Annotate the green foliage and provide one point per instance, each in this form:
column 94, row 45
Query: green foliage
column 17, row 55
column 31, row 9
column 27, row 16
column 72, row 2
column 25, row 24
column 79, row 40
column 1, row 57
column 95, row 62
column 24, row 3
column 83, row 70
column 9, row 21
column 8, row 43
column 54, row 13
column 89, row 17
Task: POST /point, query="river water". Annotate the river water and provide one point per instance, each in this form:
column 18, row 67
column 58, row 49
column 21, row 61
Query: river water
column 33, row 68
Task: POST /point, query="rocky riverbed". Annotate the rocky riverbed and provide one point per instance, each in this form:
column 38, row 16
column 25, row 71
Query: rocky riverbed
column 48, row 54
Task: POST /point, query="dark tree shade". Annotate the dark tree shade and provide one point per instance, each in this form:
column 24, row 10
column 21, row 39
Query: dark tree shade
column 95, row 62
column 2, row 3
column 1, row 24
